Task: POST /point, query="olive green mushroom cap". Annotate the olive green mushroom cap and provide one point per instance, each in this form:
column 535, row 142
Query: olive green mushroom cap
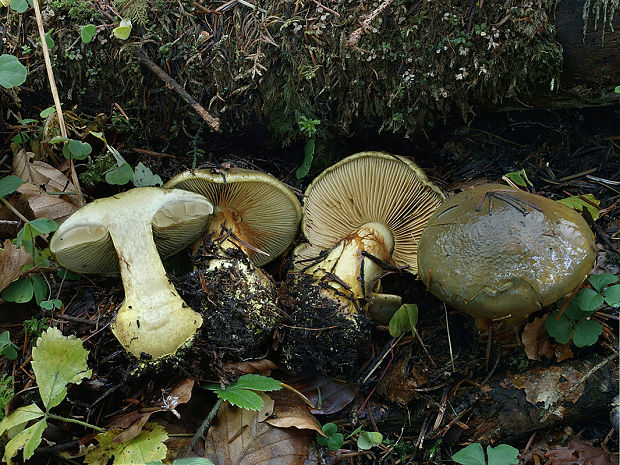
column 257, row 208
column 495, row 251
column 370, row 188
column 122, row 233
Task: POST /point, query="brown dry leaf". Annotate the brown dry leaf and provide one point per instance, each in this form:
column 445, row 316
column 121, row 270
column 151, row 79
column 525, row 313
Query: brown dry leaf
column 335, row 395
column 403, row 378
column 580, row 453
column 239, row 437
column 291, row 411
column 549, row 384
column 537, row 342
column 261, row 367
column 42, row 174
column 132, row 422
column 43, row 205
column 12, row 260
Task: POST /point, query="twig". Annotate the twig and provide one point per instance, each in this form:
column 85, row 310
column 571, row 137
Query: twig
column 356, row 35
column 449, row 340
column 50, row 77
column 214, row 123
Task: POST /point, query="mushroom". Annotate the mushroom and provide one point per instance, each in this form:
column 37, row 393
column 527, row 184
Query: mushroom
column 255, row 219
column 128, row 232
column 362, row 216
column 496, row 252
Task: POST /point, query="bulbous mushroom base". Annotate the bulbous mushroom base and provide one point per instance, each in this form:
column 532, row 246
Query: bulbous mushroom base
column 237, row 303
column 323, row 333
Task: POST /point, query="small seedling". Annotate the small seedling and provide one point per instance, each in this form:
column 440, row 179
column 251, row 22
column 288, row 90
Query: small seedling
column 474, row 455
column 519, row 178
column 404, row 320
column 307, row 127
column 7, row 348
column 34, row 327
column 575, row 321
column 6, row 392
column 333, row 440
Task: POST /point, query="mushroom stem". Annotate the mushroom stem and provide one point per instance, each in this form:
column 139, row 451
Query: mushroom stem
column 346, row 262
column 149, row 320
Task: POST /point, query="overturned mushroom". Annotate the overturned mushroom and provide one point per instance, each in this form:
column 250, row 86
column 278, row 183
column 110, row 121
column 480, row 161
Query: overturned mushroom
column 495, row 251
column 128, row 232
column 255, row 219
column 363, row 217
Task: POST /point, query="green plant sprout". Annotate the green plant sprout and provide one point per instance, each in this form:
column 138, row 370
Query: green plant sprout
column 35, row 326
column 240, row 394
column 575, row 321
column 6, row 392
column 307, row 127
column 57, row 361
column 474, row 455
column 7, row 348
column 404, row 320
column 519, row 178
column 333, row 440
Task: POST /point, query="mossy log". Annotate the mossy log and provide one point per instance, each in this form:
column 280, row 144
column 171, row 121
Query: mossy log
column 390, row 65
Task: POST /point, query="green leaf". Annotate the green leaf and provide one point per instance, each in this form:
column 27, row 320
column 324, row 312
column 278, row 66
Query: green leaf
column 330, row 429
column 470, row 455
column 612, row 296
column 519, row 178
column 51, row 304
column 44, row 225
column 88, row 32
column 559, row 329
column 148, row 446
column 48, row 39
column 19, row 5
column 9, row 184
column 335, row 441
column 502, row 455
column 256, row 383
column 12, row 72
column 573, row 311
column 7, row 348
column 28, row 439
column 20, row 291
column 39, row 286
column 76, row 150
column 304, row 168
column 599, row 281
column 21, row 416
column 143, row 177
column 578, row 203
column 49, row 111
column 57, row 361
column 120, row 175
column 27, row 121
column 243, row 398
column 123, row 30
column 404, row 320
column 617, row 90
column 587, row 333
column 367, row 439
column 588, row 300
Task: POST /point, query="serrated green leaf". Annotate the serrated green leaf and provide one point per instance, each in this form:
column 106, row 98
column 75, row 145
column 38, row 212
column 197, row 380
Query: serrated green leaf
column 404, row 320
column 87, row 33
column 559, row 329
column 470, row 455
column 368, row 439
column 20, row 416
column 612, row 296
column 143, row 177
column 588, row 300
column 586, row 333
column 28, row 439
column 599, row 281
column 20, row 291
column 241, row 398
column 123, row 30
column 578, row 204
column 58, row 360
column 9, row 184
column 12, row 72
column 256, row 383
column 120, row 175
column 502, row 455
column 148, row 446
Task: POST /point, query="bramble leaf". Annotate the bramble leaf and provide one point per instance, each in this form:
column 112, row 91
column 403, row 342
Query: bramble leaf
column 241, row 398
column 256, row 383
column 58, row 360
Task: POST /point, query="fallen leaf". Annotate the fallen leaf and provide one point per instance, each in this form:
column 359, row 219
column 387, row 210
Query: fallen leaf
column 537, row 342
column 12, row 260
column 131, row 423
column 240, row 437
column 290, row 410
column 549, row 384
column 42, row 174
column 335, row 395
column 579, row 452
column 261, row 367
column 403, row 379
column 43, row 205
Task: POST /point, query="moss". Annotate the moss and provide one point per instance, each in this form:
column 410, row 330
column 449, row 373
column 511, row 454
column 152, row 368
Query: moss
column 95, row 172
